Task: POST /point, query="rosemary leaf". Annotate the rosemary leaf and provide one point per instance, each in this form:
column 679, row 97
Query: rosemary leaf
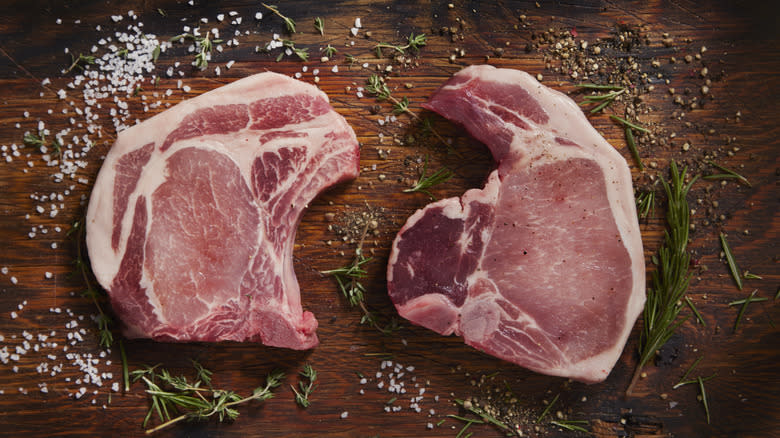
column 125, row 373
column 599, row 87
column 730, row 259
column 629, row 124
column 751, row 276
column 632, row 147
column 547, row 408
column 704, row 398
column 414, row 42
column 729, row 174
column 645, row 202
column 695, row 311
column 289, row 23
column 572, row 425
column 685, row 376
column 319, row 26
column 750, row 299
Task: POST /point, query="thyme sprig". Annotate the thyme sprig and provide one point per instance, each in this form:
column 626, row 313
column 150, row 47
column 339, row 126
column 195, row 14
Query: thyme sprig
column 203, row 45
column 547, row 408
column 288, row 22
column 91, row 292
column 425, row 182
column 302, row 397
column 39, row 141
column 604, row 99
column 481, row 413
column 319, row 26
column 79, row 62
column 175, row 399
column 330, row 51
column 733, row 268
column 728, row 174
column 303, row 54
column 414, row 42
column 670, row 279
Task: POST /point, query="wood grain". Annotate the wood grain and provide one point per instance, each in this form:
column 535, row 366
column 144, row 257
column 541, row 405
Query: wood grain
column 743, row 54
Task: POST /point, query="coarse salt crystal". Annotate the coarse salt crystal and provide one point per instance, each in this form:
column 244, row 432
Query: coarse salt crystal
column 258, row 16
column 186, row 88
column 14, row 281
column 358, row 24
column 344, row 415
column 230, row 64
column 354, row 31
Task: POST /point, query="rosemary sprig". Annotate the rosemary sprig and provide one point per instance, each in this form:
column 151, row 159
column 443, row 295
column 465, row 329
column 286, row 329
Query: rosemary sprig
column 572, row 425
column 728, row 174
column 171, row 395
column 414, row 42
column 319, row 26
column 487, row 418
column 302, row 398
column 670, row 279
column 377, row 87
column 80, row 62
column 703, row 394
column 629, row 124
column 330, row 51
column 750, row 299
column 690, row 382
column 468, row 421
column 547, row 408
column 425, row 182
column 91, row 292
column 603, row 100
column 645, row 202
column 695, row 311
column 730, row 259
column 287, row 21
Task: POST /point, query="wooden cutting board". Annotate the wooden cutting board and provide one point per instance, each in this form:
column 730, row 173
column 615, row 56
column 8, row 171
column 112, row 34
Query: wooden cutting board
column 742, row 54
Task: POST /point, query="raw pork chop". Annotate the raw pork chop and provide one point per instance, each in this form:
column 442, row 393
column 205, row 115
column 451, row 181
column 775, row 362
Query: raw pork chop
column 192, row 219
column 542, row 267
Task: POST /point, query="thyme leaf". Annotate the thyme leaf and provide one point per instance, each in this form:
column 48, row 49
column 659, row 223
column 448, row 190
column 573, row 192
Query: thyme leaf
column 425, row 182
column 288, row 22
column 645, row 202
column 79, row 62
column 730, row 259
column 330, row 51
column 414, row 42
column 728, row 174
column 303, row 54
column 670, row 280
column 401, row 106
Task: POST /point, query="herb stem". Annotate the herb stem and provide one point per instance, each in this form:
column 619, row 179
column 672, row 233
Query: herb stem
column 629, row 124
column 125, row 372
column 632, row 147
column 695, row 311
column 704, row 398
column 287, row 21
column 696, row 362
column 730, row 259
column 729, row 174
column 547, row 408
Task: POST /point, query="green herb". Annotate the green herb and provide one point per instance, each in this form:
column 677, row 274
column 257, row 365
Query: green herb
column 203, row 45
column 690, row 382
column 33, row 140
column 751, row 276
column 203, row 374
column 91, row 292
column 303, row 54
column 287, row 21
column 80, row 62
column 330, row 51
column 547, row 408
column 629, row 124
column 729, row 174
column 175, row 395
column 350, row 59
column 685, row 376
column 426, row 182
column 161, row 12
column 750, row 299
column 670, row 280
column 468, row 421
column 302, row 398
column 391, row 401
column 125, row 373
column 414, row 42
column 603, row 100
column 155, row 54
column 487, row 418
column 122, row 53
column 632, row 147
column 645, row 202
column 402, row 106
column 319, row 25
column 377, row 87
column 730, row 259
column 704, row 398
column 695, row 311
column 440, row 422
column 573, row 425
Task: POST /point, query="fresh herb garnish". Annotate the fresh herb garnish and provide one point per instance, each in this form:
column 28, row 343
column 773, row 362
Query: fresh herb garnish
column 604, row 99
column 685, row 376
column 703, row 394
column 670, row 279
column 203, row 45
column 486, row 418
column 402, row 106
column 645, row 202
column 330, row 51
column 287, row 21
column 414, row 42
column 125, row 372
column 730, row 259
column 319, row 25
column 80, row 62
column 303, row 54
column 751, row 276
column 302, row 398
column 547, row 408
column 172, row 395
column 155, row 54
column 632, row 147
column 572, row 425
column 695, row 311
column 104, row 322
column 425, row 182
column 350, row 59
column 728, row 174
column 629, row 124
column 750, row 299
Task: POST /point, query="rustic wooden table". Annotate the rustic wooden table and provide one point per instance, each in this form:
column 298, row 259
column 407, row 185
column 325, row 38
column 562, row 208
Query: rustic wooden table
column 742, row 56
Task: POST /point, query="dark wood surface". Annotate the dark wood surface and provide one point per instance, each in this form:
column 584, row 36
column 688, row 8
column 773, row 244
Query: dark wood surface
column 743, row 54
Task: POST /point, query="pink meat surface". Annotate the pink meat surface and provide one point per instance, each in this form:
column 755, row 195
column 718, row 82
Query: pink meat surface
column 192, row 219
column 542, row 267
